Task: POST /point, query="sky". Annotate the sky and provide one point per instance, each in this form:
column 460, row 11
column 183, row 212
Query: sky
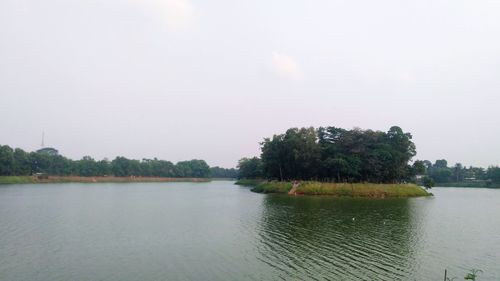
column 192, row 79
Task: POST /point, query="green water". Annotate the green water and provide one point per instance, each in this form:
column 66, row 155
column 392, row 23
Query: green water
column 219, row 231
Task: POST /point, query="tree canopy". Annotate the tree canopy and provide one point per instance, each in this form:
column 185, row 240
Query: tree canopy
column 335, row 154
column 340, row 155
column 17, row 162
column 441, row 173
column 250, row 168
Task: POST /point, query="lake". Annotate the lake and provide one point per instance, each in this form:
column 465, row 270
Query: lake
column 219, row 231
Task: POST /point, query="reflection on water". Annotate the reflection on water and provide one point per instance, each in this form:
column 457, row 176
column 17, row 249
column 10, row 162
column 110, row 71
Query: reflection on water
column 218, row 231
column 337, row 239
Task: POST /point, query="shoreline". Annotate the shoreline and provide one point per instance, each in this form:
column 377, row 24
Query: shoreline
column 366, row 190
column 99, row 179
column 468, row 185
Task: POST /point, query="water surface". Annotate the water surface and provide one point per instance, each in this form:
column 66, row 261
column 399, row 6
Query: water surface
column 219, row 231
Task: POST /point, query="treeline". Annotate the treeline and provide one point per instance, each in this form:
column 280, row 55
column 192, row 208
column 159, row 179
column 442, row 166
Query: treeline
column 334, row 154
column 218, row 172
column 17, row 162
column 440, row 173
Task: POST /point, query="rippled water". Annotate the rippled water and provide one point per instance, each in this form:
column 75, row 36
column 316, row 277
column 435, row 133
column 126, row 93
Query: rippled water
column 219, row 231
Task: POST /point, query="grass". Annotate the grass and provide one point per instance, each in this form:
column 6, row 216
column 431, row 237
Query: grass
column 249, row 182
column 339, row 189
column 273, row 187
column 16, row 179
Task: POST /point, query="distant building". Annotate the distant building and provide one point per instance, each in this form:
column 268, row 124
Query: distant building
column 48, row 150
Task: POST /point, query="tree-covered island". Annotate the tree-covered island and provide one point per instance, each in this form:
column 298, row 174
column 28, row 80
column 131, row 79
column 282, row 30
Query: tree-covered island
column 335, row 161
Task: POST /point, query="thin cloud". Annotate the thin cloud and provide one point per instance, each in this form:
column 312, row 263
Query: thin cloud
column 286, row 66
column 176, row 14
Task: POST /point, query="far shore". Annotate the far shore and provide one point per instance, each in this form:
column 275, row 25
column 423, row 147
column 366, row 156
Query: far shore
column 102, row 179
column 478, row 184
column 369, row 190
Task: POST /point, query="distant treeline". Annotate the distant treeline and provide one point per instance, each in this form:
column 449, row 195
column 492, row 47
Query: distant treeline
column 334, row 154
column 17, row 162
column 460, row 175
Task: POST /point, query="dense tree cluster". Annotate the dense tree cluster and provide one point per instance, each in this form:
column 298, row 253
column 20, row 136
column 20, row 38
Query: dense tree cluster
column 250, row 168
column 334, row 154
column 18, row 162
column 218, row 172
column 441, row 173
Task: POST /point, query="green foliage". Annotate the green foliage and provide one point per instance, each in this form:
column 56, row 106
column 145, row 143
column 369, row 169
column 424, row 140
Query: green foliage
column 461, row 176
column 193, row 169
column 441, row 174
column 494, row 174
column 87, row 166
column 122, row 166
column 340, row 155
column 250, row 168
column 249, row 182
column 293, row 155
column 441, row 164
column 218, row 172
column 273, row 187
column 419, row 167
column 6, row 161
column 20, row 163
column 427, row 182
column 472, row 275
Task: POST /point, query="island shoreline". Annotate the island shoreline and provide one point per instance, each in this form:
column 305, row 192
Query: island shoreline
column 314, row 188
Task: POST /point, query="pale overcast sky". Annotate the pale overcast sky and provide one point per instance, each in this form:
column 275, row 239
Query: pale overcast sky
column 184, row 79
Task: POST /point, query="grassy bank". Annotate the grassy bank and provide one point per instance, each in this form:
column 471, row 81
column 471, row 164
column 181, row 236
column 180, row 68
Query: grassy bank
column 16, row 179
column 249, row 182
column 339, row 189
column 68, row 179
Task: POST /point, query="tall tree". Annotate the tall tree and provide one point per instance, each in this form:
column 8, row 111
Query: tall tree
column 6, row 160
column 293, row 155
column 250, row 168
